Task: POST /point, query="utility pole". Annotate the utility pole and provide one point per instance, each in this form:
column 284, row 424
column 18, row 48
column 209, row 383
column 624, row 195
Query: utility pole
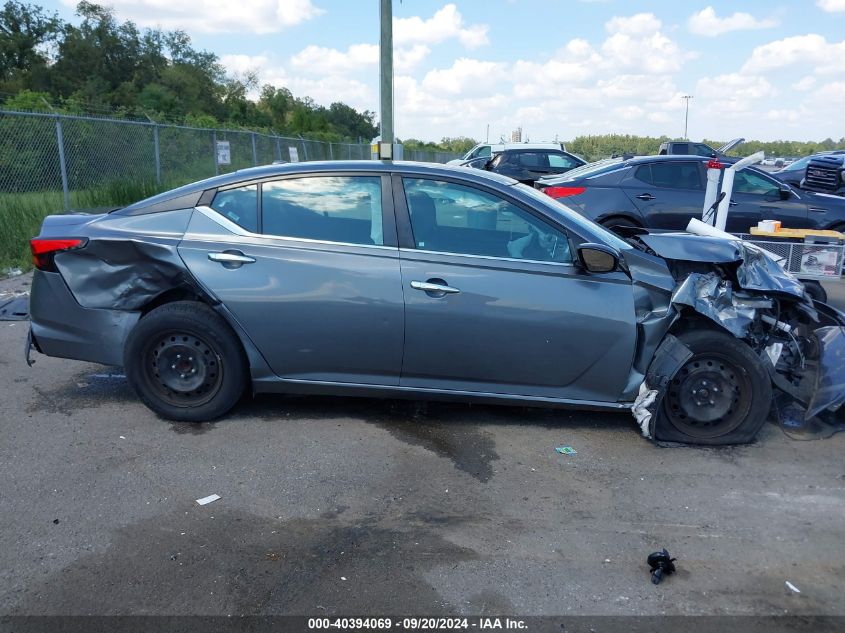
column 386, row 80
column 686, row 116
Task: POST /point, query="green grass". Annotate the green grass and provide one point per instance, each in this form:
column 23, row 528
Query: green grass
column 21, row 214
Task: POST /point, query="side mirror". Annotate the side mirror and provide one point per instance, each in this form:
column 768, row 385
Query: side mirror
column 785, row 192
column 598, row 258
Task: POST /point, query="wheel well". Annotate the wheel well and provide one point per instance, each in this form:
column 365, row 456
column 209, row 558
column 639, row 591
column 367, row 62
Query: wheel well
column 170, row 296
column 691, row 320
column 608, row 219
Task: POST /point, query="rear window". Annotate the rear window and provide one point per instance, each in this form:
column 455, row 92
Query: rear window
column 239, row 205
column 327, row 208
column 671, row 175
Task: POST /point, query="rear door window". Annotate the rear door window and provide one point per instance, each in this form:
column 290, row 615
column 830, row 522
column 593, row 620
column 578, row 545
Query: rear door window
column 327, row 208
column 561, row 161
column 532, row 161
column 671, row 175
column 239, row 205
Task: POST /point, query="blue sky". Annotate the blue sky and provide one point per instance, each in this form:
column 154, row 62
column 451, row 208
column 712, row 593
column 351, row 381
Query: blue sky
column 558, row 68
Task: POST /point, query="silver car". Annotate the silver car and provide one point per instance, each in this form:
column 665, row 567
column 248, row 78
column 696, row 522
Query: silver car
column 426, row 281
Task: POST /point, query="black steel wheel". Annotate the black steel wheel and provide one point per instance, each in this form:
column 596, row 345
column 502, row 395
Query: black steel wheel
column 184, row 368
column 721, row 395
column 708, row 397
column 185, row 362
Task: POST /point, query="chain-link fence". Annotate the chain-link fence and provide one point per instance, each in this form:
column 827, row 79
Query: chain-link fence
column 42, row 152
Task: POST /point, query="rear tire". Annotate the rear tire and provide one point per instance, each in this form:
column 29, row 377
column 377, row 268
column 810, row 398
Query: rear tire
column 611, row 223
column 722, row 394
column 815, row 291
column 185, row 363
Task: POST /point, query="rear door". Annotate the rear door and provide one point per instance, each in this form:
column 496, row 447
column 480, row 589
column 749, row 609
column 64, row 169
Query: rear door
column 757, row 197
column 494, row 303
column 668, row 193
column 309, row 266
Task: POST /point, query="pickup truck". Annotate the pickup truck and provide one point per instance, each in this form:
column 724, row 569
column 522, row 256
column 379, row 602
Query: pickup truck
column 825, row 174
column 672, row 148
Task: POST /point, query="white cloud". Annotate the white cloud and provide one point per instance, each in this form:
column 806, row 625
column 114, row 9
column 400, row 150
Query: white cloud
column 636, row 25
column 707, row 23
column 806, row 83
column 733, row 92
column 215, row 16
column 812, row 51
column 637, row 43
column 240, row 64
column 447, row 23
column 831, row 6
column 406, row 59
column 466, row 77
column 317, row 60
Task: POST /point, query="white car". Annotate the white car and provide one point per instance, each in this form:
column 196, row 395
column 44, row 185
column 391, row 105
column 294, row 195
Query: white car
column 488, row 149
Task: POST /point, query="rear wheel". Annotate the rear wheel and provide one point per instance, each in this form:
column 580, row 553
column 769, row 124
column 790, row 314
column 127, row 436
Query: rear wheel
column 815, row 290
column 613, row 222
column 721, row 395
column 185, row 363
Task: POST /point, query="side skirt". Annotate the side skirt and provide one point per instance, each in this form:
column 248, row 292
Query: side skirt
column 312, row 387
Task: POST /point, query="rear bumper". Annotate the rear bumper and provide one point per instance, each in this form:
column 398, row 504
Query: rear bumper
column 63, row 328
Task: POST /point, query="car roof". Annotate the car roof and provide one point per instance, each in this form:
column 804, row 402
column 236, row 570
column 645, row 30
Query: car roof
column 188, row 195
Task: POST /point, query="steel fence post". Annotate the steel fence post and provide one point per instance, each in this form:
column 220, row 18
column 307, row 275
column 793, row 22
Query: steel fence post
column 331, row 153
column 254, row 152
column 214, row 149
column 278, row 149
column 62, row 164
column 304, row 149
column 157, row 154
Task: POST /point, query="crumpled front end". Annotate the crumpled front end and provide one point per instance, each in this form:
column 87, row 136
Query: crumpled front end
column 743, row 290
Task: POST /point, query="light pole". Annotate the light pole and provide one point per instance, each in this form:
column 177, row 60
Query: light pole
column 386, row 79
column 686, row 116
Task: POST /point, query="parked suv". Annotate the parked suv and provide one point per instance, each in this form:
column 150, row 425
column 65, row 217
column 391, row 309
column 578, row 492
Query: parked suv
column 487, row 150
column 527, row 165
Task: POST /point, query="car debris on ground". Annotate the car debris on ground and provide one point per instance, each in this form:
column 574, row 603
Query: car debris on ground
column 661, row 564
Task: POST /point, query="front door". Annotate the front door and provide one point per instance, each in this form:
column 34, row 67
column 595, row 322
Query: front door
column 757, row 197
column 494, row 304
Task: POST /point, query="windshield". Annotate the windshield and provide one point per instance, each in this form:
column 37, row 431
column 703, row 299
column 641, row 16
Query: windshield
column 589, row 229
column 798, row 164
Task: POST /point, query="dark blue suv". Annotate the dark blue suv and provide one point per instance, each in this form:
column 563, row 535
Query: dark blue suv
column 665, row 192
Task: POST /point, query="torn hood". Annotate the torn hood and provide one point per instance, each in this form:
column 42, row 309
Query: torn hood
column 757, row 269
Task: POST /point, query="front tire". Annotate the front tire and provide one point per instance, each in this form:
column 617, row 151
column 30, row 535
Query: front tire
column 185, row 363
column 722, row 394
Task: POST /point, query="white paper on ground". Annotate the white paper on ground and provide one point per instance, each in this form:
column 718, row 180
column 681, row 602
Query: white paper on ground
column 208, row 499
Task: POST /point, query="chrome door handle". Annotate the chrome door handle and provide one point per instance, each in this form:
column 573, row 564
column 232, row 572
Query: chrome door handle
column 429, row 287
column 231, row 258
column 645, row 196
column 732, row 203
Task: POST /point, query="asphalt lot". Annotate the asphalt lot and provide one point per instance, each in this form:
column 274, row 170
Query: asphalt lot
column 345, row 506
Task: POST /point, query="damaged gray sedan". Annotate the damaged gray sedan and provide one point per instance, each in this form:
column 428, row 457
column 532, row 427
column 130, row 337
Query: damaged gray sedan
column 425, row 281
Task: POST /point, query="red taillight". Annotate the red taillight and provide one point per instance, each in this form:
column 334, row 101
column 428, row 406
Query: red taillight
column 43, row 250
column 563, row 192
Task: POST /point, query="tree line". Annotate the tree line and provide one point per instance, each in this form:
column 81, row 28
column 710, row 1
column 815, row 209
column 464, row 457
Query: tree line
column 104, row 65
